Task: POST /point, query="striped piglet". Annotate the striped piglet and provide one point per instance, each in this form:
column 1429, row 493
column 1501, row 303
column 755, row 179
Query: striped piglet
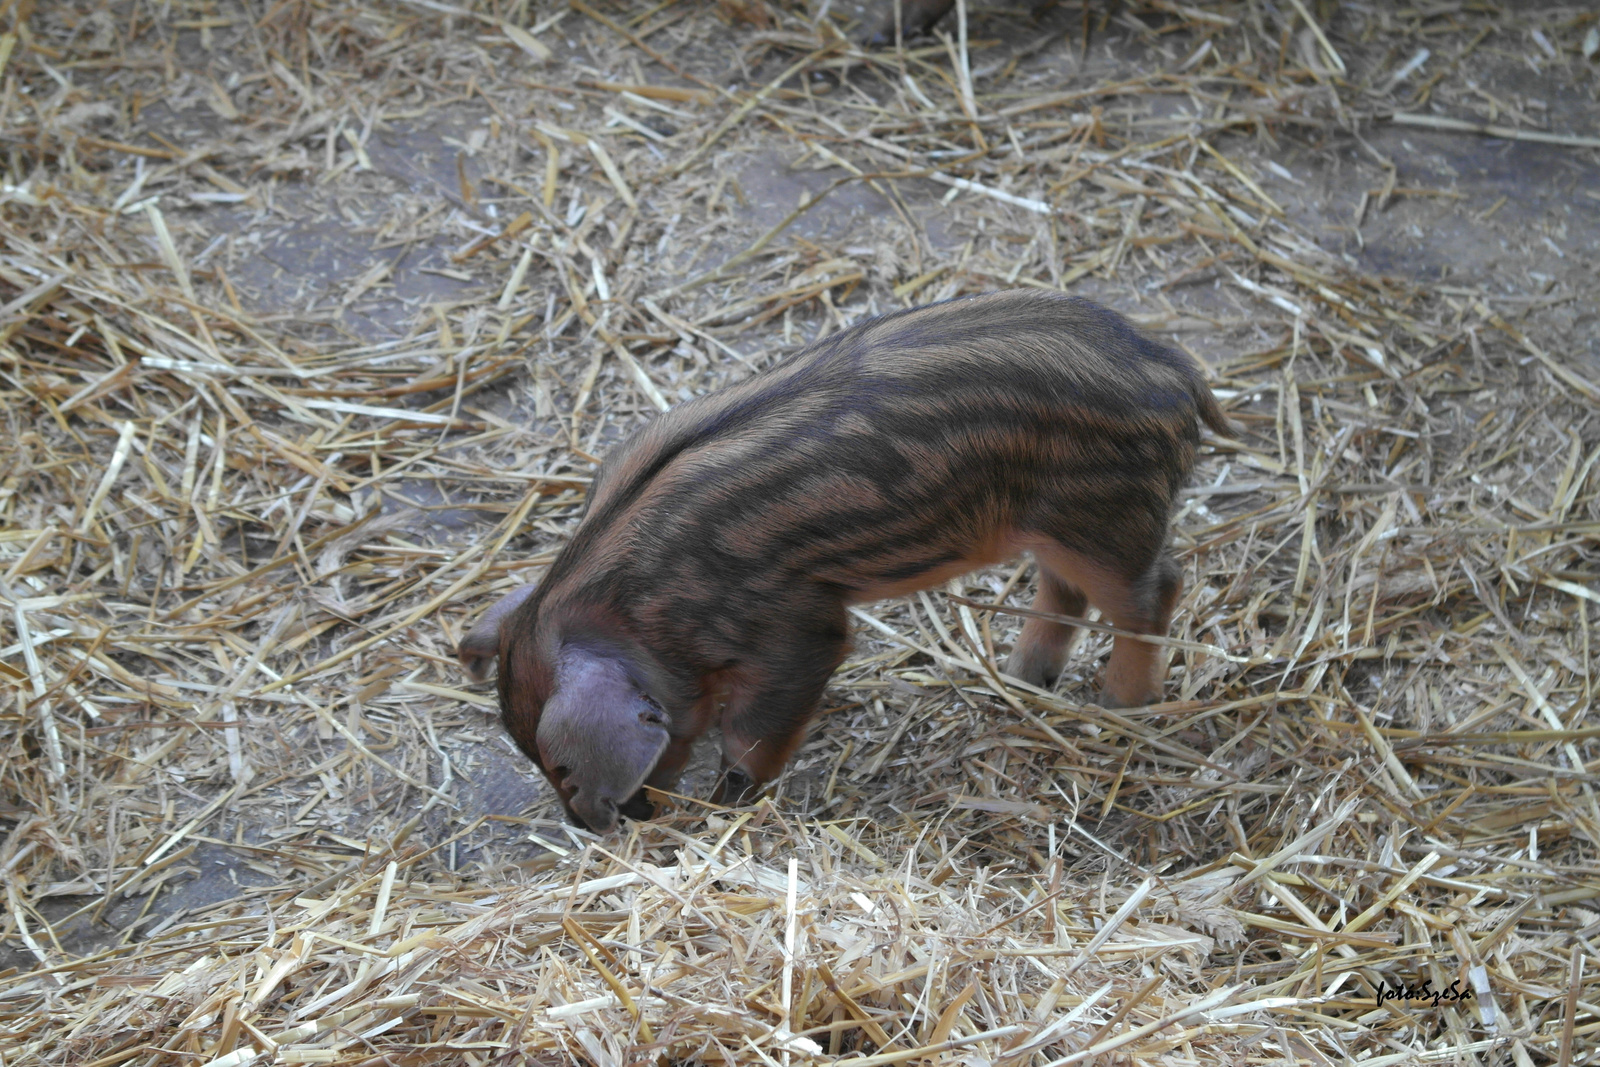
column 721, row 543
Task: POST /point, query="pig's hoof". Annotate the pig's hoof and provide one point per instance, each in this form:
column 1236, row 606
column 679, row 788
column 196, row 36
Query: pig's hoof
column 1033, row 668
column 736, row 788
column 1107, row 699
column 638, row 808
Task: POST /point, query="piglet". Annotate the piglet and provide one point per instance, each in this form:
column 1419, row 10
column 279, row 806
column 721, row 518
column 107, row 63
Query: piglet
column 708, row 580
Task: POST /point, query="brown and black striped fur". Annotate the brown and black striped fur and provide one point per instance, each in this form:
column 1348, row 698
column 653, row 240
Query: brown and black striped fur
column 709, row 577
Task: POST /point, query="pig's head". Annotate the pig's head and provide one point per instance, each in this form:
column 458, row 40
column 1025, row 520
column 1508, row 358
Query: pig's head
column 576, row 705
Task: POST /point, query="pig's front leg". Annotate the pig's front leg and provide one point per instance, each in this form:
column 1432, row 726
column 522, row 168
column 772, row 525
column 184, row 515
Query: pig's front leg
column 669, row 768
column 770, row 704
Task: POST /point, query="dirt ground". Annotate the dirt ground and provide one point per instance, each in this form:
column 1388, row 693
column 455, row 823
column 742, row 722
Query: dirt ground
column 356, row 236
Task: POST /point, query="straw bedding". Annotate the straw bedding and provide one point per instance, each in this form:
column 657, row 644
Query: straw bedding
column 247, row 511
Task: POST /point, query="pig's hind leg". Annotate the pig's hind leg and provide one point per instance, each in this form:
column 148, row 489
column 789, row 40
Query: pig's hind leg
column 1041, row 649
column 1137, row 668
column 1141, row 604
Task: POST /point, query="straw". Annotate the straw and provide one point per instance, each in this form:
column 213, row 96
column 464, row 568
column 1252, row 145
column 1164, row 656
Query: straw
column 251, row 809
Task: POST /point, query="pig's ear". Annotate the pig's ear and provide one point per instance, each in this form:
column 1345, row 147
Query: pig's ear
column 479, row 649
column 599, row 736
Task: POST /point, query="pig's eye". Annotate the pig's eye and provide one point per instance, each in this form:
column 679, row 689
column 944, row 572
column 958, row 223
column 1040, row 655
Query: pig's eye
column 653, row 712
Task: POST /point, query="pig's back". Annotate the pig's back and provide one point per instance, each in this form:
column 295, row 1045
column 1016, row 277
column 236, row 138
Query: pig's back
column 905, row 446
